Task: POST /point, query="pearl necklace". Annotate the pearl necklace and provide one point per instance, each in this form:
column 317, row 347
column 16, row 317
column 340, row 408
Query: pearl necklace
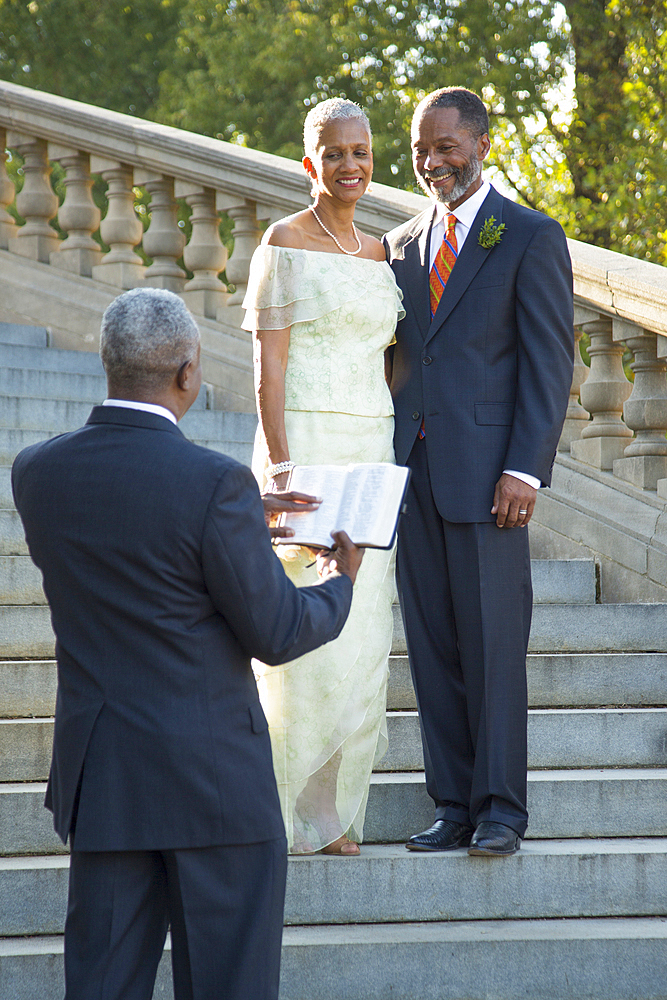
column 350, row 253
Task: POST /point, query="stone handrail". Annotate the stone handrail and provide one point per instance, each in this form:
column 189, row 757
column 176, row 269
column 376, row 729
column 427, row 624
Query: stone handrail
column 621, row 302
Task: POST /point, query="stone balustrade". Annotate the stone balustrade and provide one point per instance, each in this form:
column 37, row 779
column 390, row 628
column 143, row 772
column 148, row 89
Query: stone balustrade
column 621, row 303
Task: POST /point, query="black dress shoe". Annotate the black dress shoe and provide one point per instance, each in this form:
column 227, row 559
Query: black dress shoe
column 444, row 835
column 494, row 840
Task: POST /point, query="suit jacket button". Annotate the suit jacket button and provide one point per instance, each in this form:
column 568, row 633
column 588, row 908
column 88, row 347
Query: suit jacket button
column 427, row 360
column 415, row 415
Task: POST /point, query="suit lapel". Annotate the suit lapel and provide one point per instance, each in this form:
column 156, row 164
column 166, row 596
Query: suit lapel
column 416, row 266
column 468, row 262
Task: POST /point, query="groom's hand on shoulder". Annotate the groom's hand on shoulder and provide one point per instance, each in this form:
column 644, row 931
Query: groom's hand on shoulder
column 513, row 502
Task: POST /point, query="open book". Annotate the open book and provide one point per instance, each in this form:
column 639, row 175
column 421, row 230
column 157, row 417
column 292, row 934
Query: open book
column 364, row 500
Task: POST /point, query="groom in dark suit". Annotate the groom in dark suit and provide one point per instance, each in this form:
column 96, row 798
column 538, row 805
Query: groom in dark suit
column 481, row 374
column 162, row 584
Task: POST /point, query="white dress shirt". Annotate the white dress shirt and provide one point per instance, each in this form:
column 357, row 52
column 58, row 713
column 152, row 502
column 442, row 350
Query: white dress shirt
column 131, row 404
column 465, row 216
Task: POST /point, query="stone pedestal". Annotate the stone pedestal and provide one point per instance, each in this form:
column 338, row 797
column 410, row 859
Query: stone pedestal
column 645, row 458
column 603, row 393
column 7, row 223
column 599, row 452
column 643, row 471
column 79, row 216
column 576, row 417
column 121, row 230
column 37, row 203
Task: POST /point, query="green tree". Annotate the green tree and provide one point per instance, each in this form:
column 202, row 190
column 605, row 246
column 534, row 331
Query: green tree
column 577, row 91
column 108, row 53
column 599, row 166
column 248, row 70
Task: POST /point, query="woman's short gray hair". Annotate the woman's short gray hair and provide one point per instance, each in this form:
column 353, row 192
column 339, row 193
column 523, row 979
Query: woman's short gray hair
column 147, row 334
column 335, row 109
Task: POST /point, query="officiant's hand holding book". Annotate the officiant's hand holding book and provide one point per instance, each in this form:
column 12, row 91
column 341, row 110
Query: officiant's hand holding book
column 364, row 500
column 345, row 557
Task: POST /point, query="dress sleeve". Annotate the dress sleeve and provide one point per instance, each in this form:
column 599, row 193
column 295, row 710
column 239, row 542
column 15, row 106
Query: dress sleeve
column 287, row 286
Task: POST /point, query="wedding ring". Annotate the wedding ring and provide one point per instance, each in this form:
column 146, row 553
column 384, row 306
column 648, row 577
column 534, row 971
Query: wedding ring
column 523, row 511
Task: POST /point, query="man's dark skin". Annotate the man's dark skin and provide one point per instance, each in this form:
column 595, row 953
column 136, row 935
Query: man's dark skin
column 177, row 396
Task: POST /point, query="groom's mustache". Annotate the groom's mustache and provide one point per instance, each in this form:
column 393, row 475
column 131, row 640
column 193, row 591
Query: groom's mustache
column 434, row 175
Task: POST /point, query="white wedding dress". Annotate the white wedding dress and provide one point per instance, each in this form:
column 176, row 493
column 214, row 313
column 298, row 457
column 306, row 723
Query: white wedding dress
column 326, row 710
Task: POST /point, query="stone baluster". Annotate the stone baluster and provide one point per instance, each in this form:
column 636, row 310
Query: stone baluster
column 121, row 230
column 247, row 234
column 79, row 216
column 645, row 411
column 7, row 223
column 36, row 202
column 204, row 255
column 603, row 440
column 576, row 418
column 164, row 239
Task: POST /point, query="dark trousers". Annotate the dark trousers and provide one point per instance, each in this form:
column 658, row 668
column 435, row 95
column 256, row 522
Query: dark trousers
column 466, row 599
column 224, row 905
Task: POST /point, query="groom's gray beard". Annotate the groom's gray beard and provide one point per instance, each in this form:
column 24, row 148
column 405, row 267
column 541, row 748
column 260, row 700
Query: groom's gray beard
column 465, row 176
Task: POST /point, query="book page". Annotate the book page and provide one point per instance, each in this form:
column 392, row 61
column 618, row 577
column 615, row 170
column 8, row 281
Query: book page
column 363, row 499
column 369, row 506
column 315, row 527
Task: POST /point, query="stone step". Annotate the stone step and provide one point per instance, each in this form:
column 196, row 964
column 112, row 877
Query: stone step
column 606, row 802
column 20, row 581
column 60, row 415
column 6, row 498
column 563, row 581
column 562, row 805
column 12, row 537
column 567, row 680
column 13, row 441
column 556, row 628
column 34, row 384
column 557, row 738
column 39, row 384
column 50, row 359
column 26, row 336
column 499, row 960
column 386, row 884
column 27, row 687
column 26, row 633
column 538, row 959
column 595, row 628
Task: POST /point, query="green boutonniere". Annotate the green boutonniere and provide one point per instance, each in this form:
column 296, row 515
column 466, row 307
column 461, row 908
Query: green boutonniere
column 490, row 233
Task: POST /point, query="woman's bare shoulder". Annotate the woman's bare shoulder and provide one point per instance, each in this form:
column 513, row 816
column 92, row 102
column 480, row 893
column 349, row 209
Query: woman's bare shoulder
column 373, row 249
column 286, row 232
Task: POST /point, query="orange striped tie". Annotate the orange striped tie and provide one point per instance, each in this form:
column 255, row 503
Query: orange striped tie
column 443, row 264
column 440, row 272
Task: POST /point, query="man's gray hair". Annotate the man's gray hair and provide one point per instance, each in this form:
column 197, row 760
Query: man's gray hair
column 147, row 334
column 335, row 109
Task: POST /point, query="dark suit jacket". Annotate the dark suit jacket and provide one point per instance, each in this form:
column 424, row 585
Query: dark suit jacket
column 491, row 373
column 162, row 584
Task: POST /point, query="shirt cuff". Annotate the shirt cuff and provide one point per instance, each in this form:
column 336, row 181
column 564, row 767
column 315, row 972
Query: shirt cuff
column 524, row 477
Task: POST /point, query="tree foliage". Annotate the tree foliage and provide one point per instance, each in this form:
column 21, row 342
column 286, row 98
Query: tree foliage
column 104, row 52
column 577, row 89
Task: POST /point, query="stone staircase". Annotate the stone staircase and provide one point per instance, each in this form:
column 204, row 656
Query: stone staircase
column 578, row 913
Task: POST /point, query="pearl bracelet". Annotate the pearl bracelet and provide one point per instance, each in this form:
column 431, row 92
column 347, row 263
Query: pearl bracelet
column 275, row 470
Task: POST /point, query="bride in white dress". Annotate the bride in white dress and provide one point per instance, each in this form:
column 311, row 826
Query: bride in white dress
column 323, row 304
